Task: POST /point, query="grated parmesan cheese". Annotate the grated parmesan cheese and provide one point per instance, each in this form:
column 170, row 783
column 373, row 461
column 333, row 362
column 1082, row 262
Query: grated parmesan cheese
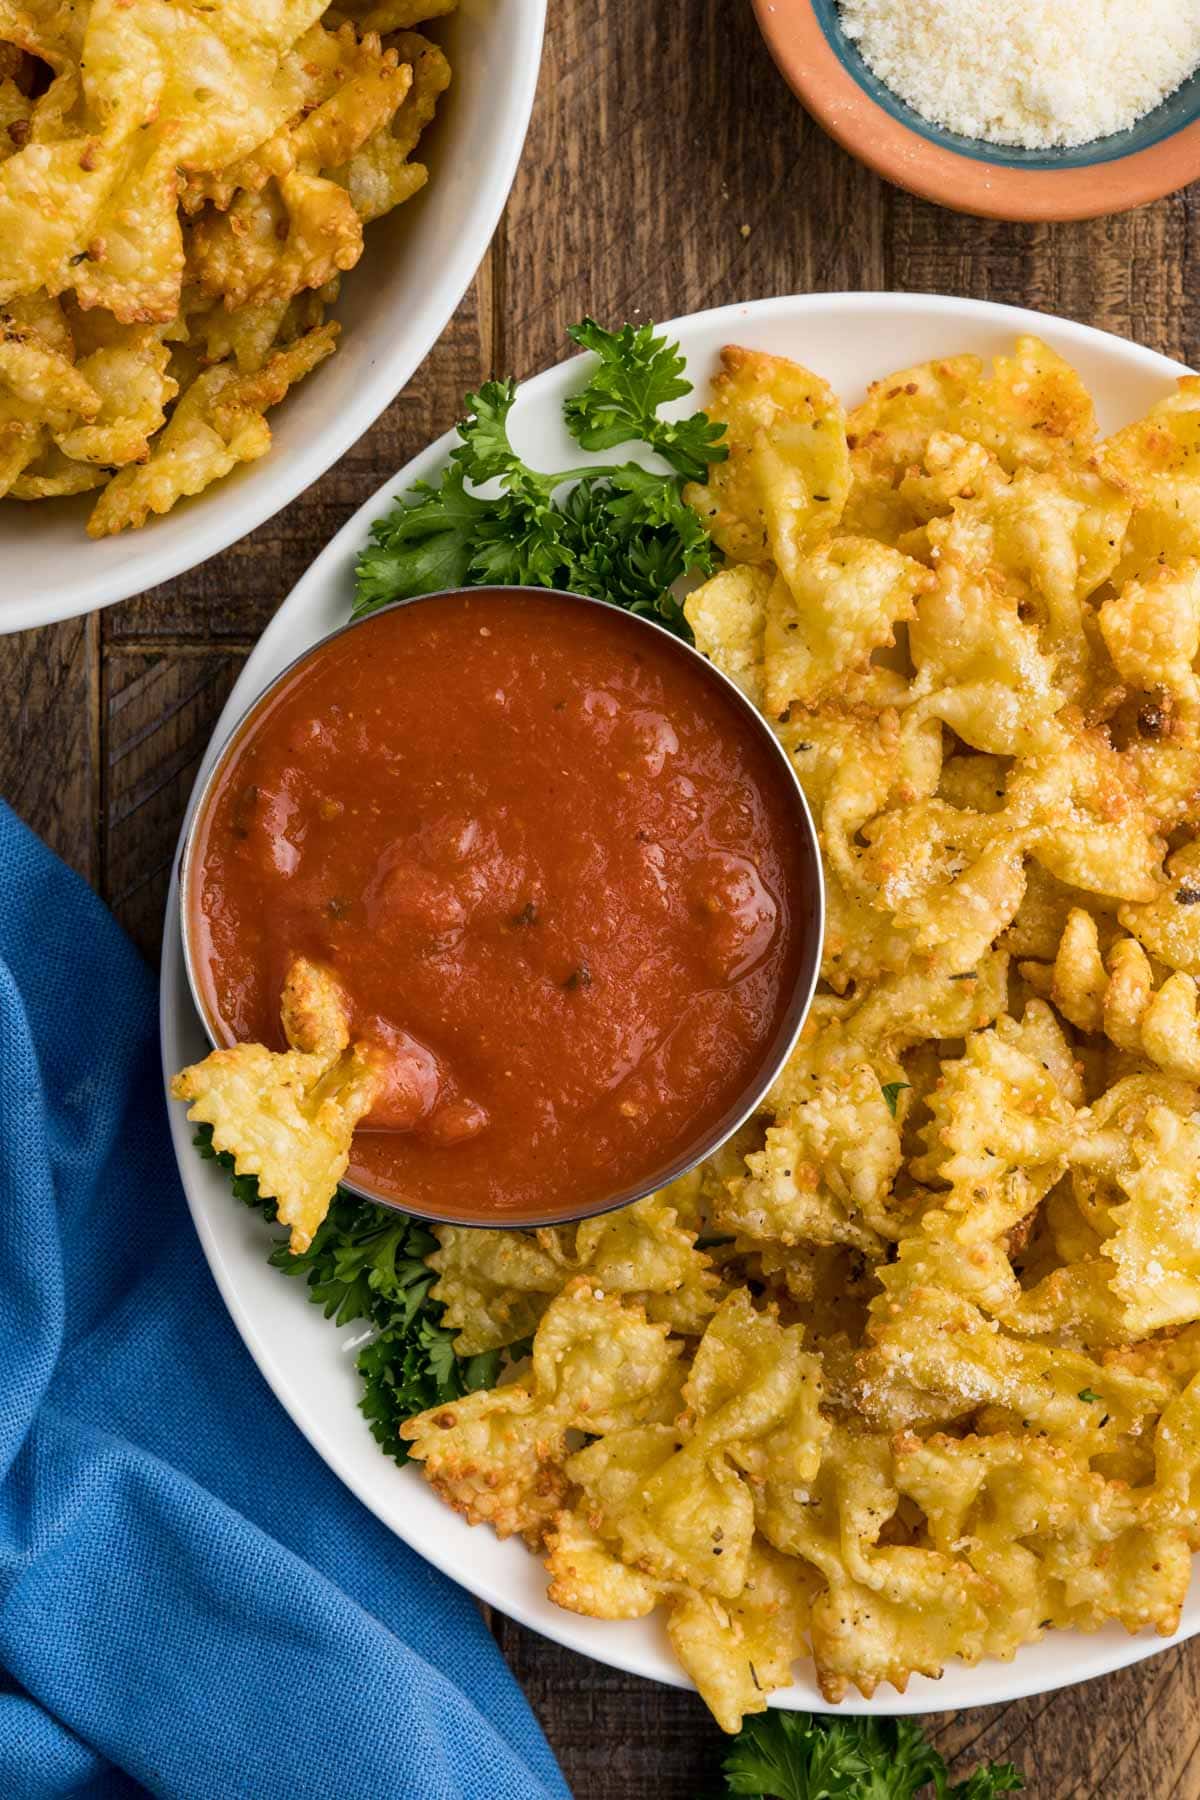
column 1035, row 73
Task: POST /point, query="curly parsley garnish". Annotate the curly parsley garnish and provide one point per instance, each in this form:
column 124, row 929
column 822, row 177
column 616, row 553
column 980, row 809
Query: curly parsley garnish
column 802, row 1756
column 616, row 531
column 367, row 1263
column 637, row 374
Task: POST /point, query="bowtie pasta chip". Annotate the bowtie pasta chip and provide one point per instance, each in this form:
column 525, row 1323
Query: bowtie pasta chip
column 1115, row 994
column 827, row 1171
column 287, row 1117
column 1154, row 460
column 828, row 611
column 382, row 174
column 598, row 1366
column 679, row 1500
column 1166, row 924
column 1061, row 1545
column 787, row 474
column 216, row 425
column 495, row 1285
column 728, row 617
column 739, row 1650
column 157, row 157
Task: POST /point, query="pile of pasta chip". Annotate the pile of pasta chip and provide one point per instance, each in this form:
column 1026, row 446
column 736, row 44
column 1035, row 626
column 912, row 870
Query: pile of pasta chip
column 910, row 1371
column 182, row 187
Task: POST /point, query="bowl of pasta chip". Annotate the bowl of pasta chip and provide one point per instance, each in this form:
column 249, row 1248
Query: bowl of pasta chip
column 186, row 338
column 916, row 1416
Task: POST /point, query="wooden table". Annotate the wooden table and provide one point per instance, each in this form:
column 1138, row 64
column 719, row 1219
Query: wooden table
column 667, row 169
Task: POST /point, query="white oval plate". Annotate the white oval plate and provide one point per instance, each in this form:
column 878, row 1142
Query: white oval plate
column 850, row 339
column 393, row 308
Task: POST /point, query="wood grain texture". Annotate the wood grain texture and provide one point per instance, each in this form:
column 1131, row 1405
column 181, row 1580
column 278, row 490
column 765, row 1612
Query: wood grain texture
column 613, row 1734
column 1130, row 275
column 660, row 135
column 159, row 709
column 668, row 169
column 50, row 739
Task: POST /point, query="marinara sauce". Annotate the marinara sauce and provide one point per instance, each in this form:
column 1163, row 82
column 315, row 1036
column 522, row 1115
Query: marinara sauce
column 566, row 886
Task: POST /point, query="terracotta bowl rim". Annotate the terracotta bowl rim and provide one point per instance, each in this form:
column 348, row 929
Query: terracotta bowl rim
column 808, row 61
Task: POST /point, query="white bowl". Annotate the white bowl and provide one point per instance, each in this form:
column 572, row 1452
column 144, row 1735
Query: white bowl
column 851, row 339
column 416, row 266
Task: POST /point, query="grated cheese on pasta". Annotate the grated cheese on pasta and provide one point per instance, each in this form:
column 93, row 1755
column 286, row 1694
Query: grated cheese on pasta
column 1035, row 73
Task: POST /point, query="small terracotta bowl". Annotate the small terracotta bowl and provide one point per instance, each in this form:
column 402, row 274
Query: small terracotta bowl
column 826, row 71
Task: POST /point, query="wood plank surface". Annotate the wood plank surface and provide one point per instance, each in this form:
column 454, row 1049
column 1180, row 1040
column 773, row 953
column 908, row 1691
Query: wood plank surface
column 50, row 741
column 667, row 169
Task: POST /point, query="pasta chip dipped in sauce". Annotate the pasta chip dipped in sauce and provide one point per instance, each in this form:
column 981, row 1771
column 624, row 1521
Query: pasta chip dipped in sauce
column 287, row 1117
column 938, row 1302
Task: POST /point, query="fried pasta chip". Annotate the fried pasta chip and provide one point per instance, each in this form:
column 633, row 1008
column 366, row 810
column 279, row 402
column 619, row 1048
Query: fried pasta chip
column 728, row 618
column 587, row 1577
column 1152, row 630
column 499, row 1456
column 738, row 1652
column 1155, row 461
column 299, row 232
column 887, row 1609
column 938, row 1358
column 496, row 1458
column 40, row 391
column 351, row 86
column 287, row 1117
column 827, row 1170
column 134, row 389
column 51, row 476
column 890, row 432
column 218, row 423
column 1031, row 412
column 678, row 1499
column 826, row 614
column 1115, row 993
column 1154, row 1244
column 382, row 175
column 1034, row 411
column 1087, row 819
column 1165, row 924
column 1061, row 1545
column 785, row 481
column 495, row 1285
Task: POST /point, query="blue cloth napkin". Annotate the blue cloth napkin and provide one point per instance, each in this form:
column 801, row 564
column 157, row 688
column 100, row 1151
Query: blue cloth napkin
column 190, row 1602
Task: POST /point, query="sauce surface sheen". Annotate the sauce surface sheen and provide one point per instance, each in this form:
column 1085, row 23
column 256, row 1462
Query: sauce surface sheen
column 560, row 878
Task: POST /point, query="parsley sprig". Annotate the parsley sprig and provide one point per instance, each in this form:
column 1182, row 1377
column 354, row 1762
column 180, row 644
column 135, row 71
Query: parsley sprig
column 367, row 1263
column 637, row 374
column 617, row 531
column 802, row 1756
